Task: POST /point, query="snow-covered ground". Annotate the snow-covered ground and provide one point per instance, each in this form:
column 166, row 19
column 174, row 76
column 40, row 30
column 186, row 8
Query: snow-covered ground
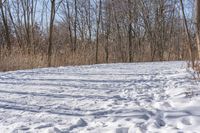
column 114, row 98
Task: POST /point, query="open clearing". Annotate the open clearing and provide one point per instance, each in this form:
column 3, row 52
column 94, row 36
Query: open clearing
column 114, row 98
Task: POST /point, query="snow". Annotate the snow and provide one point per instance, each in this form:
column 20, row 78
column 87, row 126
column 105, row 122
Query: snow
column 112, row 98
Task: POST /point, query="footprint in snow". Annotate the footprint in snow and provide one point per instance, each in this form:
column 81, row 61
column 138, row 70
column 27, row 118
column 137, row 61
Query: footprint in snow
column 160, row 123
column 56, row 130
column 186, row 121
column 20, row 129
column 44, row 126
column 80, row 123
column 122, row 130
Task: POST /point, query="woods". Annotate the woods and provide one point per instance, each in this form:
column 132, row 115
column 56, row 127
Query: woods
column 41, row 33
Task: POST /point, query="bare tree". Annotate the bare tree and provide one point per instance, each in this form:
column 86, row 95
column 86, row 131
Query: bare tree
column 108, row 28
column 197, row 23
column 5, row 23
column 97, row 29
column 130, row 30
column 52, row 18
column 190, row 46
column 75, row 25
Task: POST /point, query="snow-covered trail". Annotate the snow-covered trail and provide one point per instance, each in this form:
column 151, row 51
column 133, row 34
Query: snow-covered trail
column 114, row 98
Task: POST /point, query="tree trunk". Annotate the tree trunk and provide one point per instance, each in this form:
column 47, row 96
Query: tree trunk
column 190, row 47
column 130, row 32
column 75, row 26
column 97, row 34
column 197, row 21
column 6, row 27
column 51, row 32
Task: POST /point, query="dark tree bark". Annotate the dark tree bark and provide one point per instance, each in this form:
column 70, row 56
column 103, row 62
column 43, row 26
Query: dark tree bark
column 190, row 46
column 75, row 26
column 52, row 18
column 197, row 21
column 97, row 32
column 130, row 32
column 6, row 26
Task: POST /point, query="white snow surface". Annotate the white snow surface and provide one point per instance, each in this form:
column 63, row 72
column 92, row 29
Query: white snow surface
column 108, row 98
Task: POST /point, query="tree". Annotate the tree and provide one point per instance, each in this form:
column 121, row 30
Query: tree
column 190, row 46
column 197, row 25
column 5, row 23
column 108, row 28
column 52, row 18
column 94, row 31
column 130, row 31
column 97, row 30
column 75, row 25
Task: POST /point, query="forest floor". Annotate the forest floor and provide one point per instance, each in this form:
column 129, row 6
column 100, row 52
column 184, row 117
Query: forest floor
column 107, row 98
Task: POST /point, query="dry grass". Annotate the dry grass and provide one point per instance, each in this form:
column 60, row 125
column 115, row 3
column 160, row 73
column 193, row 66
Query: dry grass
column 84, row 55
column 22, row 60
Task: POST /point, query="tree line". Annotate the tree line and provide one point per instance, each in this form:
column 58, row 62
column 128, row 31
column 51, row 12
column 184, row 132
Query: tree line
column 39, row 33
